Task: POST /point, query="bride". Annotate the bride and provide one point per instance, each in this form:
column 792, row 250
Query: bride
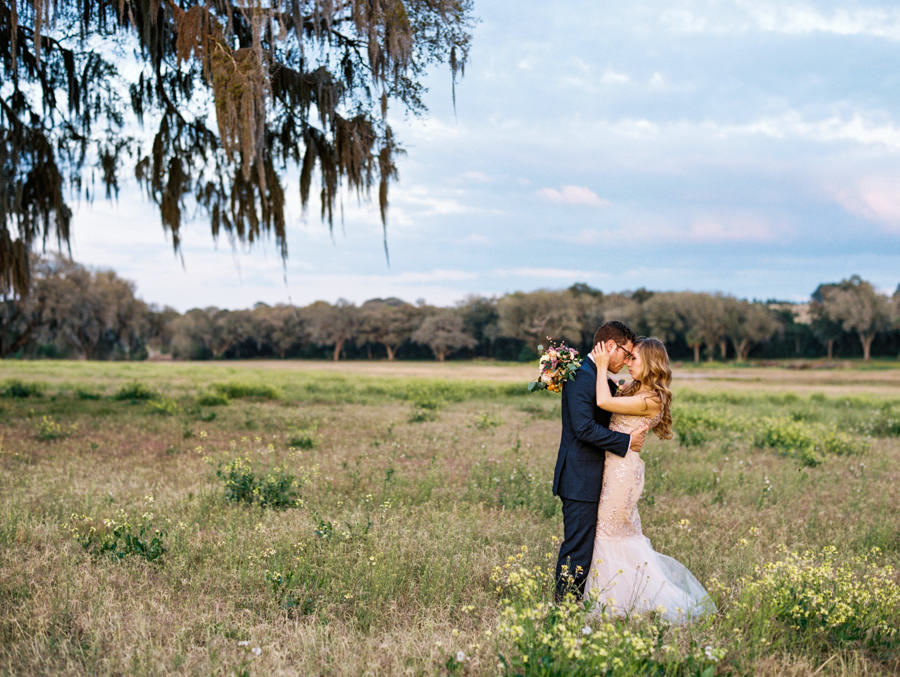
column 626, row 575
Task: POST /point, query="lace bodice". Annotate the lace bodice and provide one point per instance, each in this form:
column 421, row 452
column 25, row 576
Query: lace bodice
column 623, row 482
column 628, row 423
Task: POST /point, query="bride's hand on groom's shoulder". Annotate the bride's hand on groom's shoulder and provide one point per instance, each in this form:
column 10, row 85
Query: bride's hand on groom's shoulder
column 600, row 355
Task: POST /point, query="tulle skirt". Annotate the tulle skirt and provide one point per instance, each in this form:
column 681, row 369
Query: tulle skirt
column 628, row 576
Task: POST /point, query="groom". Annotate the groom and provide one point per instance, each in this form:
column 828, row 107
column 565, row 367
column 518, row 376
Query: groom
column 585, row 440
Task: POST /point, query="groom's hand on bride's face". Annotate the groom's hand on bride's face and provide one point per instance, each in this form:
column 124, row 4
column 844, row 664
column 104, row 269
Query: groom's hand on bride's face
column 637, row 439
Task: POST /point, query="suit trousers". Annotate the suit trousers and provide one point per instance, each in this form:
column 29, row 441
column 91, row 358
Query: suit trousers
column 577, row 548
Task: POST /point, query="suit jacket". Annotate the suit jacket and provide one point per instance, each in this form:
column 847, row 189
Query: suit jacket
column 585, row 438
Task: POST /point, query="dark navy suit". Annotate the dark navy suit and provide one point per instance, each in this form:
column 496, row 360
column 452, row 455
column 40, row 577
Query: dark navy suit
column 578, row 477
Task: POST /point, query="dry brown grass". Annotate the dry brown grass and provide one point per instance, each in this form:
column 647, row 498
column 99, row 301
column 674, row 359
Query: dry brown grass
column 437, row 521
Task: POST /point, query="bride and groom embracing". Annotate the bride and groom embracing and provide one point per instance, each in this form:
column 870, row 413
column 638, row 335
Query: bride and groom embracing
column 599, row 476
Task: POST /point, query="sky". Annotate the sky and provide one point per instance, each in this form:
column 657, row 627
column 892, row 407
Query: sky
column 750, row 147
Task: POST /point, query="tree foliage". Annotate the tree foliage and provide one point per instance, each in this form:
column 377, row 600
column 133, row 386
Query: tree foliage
column 233, row 93
column 93, row 313
column 443, row 331
column 387, row 322
column 73, row 311
column 856, row 305
column 747, row 324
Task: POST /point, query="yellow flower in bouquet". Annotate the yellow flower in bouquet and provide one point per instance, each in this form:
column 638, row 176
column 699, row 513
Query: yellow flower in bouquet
column 558, row 364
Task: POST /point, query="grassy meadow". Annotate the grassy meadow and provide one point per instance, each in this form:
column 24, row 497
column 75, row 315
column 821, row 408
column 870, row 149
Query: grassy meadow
column 309, row 518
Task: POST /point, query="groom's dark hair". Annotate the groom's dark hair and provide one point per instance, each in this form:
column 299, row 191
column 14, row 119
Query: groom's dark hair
column 618, row 331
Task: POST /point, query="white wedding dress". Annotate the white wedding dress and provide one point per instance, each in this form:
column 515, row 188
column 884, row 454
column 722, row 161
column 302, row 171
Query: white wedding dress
column 627, row 575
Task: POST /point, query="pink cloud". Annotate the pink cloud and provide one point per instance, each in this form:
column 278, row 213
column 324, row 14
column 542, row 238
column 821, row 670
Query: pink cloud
column 875, row 198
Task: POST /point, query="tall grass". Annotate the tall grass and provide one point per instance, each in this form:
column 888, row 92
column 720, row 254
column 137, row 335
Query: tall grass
column 337, row 536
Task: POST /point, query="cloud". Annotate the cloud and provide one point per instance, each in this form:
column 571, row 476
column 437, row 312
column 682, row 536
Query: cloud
column 438, row 275
column 426, row 203
column 611, row 77
column 703, row 229
column 784, row 18
column 589, row 236
column 573, row 195
column 856, row 128
column 873, row 198
column 733, row 228
column 805, row 19
column 684, row 21
column 476, row 176
column 548, row 273
column 864, row 129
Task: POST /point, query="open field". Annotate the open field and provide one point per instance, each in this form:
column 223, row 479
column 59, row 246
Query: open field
column 349, row 519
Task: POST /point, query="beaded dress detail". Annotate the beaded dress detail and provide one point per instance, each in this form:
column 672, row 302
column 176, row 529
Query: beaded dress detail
column 627, row 575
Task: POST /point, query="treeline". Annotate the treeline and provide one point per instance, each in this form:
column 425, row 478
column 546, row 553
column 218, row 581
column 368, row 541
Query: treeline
column 72, row 311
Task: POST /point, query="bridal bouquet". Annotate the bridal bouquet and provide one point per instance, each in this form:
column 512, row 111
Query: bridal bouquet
column 558, row 364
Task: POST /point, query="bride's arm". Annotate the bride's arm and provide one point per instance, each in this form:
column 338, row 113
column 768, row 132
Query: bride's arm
column 644, row 404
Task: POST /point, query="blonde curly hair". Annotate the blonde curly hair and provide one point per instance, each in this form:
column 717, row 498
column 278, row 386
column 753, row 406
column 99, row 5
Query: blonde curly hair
column 655, row 375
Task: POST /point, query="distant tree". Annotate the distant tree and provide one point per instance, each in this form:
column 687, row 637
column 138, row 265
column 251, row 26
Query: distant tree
column 826, row 328
column 191, row 335
column 624, row 308
column 387, row 322
column 895, row 300
column 663, row 317
column 584, row 289
column 747, row 324
column 281, row 328
column 332, row 325
column 444, row 333
column 22, row 318
column 91, row 312
column 642, row 295
column 698, row 316
column 228, row 330
column 859, row 308
column 480, row 319
column 159, row 328
column 534, row 316
column 302, row 84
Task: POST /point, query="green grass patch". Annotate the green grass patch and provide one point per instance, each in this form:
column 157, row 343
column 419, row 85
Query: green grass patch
column 239, row 389
column 17, row 389
column 135, row 391
column 213, row 398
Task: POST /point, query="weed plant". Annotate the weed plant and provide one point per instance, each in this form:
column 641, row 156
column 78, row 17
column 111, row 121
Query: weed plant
column 119, row 537
column 302, row 438
column 48, row 429
column 164, row 406
column 135, row 391
column 212, row 398
column 276, row 488
column 820, row 601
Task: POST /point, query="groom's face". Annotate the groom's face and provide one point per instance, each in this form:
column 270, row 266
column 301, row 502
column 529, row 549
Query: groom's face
column 619, row 353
